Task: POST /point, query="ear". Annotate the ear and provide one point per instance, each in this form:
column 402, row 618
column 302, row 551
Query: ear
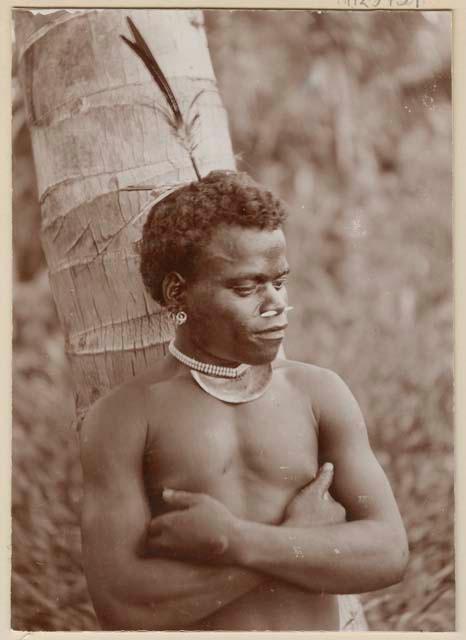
column 174, row 290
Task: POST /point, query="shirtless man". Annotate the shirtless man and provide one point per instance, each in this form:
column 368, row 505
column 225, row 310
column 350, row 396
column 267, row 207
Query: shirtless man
column 207, row 513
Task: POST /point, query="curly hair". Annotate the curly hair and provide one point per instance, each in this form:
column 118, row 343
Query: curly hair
column 181, row 225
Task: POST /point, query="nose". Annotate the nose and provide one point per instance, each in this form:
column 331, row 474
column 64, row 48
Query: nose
column 275, row 301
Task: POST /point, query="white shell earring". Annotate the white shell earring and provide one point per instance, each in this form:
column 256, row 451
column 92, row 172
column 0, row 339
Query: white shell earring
column 180, row 318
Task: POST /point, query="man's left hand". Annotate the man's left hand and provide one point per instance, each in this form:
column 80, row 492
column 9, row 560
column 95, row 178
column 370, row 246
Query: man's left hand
column 199, row 528
column 313, row 505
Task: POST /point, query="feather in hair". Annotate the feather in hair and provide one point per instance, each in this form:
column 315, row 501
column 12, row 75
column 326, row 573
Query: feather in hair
column 184, row 130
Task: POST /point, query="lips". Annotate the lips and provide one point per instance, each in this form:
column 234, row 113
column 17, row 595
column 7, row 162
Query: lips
column 273, row 333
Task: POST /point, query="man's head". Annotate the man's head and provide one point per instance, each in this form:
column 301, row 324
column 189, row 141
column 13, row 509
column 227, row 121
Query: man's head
column 215, row 249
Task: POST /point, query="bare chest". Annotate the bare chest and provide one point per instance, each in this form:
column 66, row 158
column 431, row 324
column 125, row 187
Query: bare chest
column 233, row 452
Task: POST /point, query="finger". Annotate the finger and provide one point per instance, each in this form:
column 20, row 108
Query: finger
column 324, row 478
column 156, row 526
column 160, row 545
column 220, row 545
column 181, row 499
column 300, row 496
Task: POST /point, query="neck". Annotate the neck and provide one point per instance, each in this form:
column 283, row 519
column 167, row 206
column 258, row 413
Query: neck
column 185, row 343
column 208, row 369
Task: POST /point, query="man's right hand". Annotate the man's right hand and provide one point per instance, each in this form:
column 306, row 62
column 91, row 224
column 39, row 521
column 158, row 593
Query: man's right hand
column 313, row 505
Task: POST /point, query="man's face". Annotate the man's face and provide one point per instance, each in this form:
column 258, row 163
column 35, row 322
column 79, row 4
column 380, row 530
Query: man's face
column 241, row 274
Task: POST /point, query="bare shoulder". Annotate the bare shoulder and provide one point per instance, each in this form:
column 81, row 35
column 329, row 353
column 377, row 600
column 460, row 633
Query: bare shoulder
column 122, row 408
column 308, row 374
column 325, row 387
column 113, row 425
column 119, row 419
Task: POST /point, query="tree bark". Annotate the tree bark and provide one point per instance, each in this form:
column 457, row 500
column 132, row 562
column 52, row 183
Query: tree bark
column 95, row 132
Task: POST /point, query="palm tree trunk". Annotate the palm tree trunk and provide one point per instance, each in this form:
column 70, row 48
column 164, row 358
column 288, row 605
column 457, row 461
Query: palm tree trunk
column 96, row 133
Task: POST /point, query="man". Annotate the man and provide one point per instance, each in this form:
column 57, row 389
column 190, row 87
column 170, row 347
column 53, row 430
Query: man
column 206, row 499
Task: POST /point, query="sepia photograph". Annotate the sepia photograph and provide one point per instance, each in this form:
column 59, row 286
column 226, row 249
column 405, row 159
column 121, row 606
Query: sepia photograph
column 233, row 343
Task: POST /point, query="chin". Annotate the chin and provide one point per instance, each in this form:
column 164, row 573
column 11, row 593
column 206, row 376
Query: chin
column 263, row 356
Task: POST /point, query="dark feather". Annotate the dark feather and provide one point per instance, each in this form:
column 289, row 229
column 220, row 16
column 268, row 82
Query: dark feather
column 142, row 44
column 142, row 50
column 182, row 130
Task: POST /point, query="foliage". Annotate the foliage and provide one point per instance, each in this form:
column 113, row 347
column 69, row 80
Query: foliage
column 357, row 140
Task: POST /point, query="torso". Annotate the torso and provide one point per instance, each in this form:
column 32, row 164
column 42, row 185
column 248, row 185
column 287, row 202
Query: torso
column 253, row 457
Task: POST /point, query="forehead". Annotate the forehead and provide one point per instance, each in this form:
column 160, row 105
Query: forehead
column 234, row 248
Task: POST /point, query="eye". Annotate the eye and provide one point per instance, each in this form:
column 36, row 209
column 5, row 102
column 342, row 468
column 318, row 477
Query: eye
column 244, row 291
column 279, row 284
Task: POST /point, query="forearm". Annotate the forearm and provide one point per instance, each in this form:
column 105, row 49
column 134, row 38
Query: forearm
column 158, row 594
column 351, row 557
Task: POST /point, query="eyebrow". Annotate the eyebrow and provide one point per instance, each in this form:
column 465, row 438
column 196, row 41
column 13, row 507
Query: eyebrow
column 256, row 277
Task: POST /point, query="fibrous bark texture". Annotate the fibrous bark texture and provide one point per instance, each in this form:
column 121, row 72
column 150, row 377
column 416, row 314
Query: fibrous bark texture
column 97, row 131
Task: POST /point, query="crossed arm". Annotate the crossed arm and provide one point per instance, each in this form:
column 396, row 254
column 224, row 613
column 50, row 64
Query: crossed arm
column 366, row 552
column 130, row 590
column 219, row 557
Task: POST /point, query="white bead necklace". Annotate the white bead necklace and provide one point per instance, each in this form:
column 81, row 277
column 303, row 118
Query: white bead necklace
column 204, row 367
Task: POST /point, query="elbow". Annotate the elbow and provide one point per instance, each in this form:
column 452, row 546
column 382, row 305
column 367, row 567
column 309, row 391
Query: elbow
column 401, row 560
column 109, row 615
column 396, row 558
column 120, row 606
column 110, row 611
column 117, row 607
column 114, row 614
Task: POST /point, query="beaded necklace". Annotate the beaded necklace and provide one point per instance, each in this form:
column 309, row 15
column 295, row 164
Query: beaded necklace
column 232, row 385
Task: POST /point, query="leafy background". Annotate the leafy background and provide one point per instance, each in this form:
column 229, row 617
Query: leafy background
column 347, row 116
